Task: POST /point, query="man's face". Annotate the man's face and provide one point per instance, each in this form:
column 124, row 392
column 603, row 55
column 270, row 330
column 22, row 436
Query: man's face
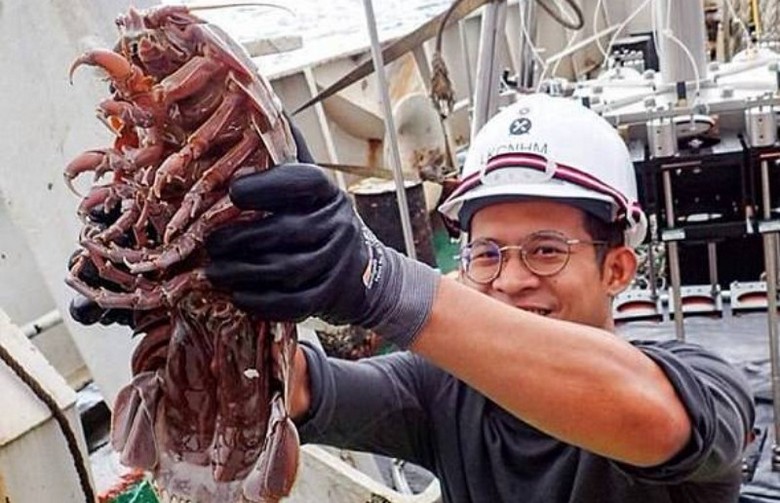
column 581, row 292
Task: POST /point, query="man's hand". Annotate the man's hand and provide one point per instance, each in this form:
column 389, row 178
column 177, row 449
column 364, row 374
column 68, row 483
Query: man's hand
column 84, row 310
column 313, row 256
column 87, row 312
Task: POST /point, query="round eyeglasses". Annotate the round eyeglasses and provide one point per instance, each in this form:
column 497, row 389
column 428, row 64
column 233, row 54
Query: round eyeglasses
column 544, row 253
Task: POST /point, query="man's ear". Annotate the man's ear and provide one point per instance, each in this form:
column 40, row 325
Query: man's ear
column 619, row 269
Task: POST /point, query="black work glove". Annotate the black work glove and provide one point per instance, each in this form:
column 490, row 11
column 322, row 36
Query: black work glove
column 84, row 310
column 87, row 312
column 313, row 256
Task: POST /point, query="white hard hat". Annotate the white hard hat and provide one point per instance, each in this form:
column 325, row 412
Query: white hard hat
column 546, row 147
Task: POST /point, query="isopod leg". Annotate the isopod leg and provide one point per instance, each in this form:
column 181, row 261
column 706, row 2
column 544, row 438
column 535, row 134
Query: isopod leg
column 213, row 179
column 200, row 141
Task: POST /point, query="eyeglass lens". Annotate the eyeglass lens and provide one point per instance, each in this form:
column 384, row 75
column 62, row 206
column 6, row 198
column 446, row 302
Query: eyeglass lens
column 544, row 254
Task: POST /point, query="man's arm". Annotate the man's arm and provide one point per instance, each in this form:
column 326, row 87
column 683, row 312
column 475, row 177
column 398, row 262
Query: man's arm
column 580, row 384
column 361, row 404
column 313, row 257
column 300, row 398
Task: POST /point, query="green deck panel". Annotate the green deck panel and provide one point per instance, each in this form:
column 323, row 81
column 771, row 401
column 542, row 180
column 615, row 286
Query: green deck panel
column 139, row 493
column 446, row 251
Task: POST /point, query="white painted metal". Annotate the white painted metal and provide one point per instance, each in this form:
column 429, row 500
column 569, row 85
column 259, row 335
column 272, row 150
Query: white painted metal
column 265, row 46
column 28, row 298
column 464, row 48
column 486, row 88
column 683, row 19
column 379, row 68
column 424, row 69
column 322, row 121
column 327, row 479
column 637, row 304
column 356, row 109
column 46, row 123
column 526, row 60
column 35, row 464
column 580, row 45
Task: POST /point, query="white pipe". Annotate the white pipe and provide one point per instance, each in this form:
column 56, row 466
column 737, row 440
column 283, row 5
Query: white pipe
column 395, row 158
column 580, row 45
column 464, row 49
column 42, row 324
column 681, row 35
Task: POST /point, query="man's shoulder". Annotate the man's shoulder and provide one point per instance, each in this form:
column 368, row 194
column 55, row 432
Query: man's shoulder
column 698, row 358
column 680, row 349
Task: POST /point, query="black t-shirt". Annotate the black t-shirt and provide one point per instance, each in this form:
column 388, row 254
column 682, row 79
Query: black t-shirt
column 402, row 406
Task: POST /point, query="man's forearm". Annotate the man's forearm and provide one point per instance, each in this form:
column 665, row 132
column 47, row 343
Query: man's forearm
column 580, row 384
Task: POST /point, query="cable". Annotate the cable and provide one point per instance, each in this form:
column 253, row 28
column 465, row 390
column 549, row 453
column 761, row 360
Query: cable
column 599, row 3
column 569, row 43
column 668, row 34
column 59, row 417
column 654, row 27
column 557, row 14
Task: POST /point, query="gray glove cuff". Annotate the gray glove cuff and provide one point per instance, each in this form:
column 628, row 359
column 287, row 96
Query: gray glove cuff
column 402, row 304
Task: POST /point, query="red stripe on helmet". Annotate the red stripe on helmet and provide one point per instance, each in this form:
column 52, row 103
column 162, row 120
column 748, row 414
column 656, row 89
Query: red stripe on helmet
column 562, row 172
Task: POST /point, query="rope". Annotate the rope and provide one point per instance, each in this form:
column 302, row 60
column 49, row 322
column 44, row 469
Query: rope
column 193, row 7
column 442, row 94
column 62, row 421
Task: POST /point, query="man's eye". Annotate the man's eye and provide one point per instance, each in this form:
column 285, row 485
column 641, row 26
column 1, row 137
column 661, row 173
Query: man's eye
column 547, row 250
column 485, row 255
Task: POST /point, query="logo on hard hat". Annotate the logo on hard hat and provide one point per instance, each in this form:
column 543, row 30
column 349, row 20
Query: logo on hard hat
column 520, row 126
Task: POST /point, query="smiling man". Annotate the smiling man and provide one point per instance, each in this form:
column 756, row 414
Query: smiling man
column 514, row 387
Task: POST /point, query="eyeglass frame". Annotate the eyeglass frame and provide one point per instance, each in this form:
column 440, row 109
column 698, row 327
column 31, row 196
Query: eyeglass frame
column 502, row 256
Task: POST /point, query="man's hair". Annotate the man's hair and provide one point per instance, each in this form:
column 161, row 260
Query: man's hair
column 599, row 230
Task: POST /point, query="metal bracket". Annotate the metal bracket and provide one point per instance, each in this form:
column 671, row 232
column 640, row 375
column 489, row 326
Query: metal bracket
column 698, row 300
column 748, row 296
column 767, row 226
column 668, row 235
column 637, row 305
